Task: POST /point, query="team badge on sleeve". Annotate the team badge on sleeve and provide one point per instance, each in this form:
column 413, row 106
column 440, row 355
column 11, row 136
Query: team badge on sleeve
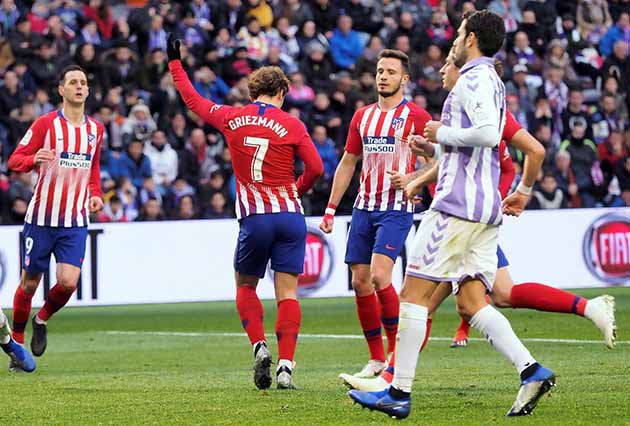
column 27, row 137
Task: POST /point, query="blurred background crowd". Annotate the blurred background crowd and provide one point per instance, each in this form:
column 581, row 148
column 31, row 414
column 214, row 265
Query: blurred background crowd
column 567, row 76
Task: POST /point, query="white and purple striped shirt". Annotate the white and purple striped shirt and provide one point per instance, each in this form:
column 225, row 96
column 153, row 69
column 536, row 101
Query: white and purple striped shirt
column 468, row 176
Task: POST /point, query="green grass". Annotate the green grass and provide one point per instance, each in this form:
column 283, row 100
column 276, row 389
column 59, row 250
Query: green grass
column 88, row 376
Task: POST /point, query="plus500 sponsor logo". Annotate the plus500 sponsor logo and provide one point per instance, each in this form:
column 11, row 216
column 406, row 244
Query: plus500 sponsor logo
column 75, row 160
column 379, row 144
column 607, row 248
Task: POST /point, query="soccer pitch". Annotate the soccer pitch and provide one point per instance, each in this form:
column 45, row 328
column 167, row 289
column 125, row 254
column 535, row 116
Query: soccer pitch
column 191, row 364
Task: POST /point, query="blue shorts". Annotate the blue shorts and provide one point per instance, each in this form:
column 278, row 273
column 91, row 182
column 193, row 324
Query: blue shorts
column 279, row 237
column 67, row 244
column 376, row 232
column 502, row 260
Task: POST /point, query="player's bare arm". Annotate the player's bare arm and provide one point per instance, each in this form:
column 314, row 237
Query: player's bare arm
column 341, row 181
column 534, row 152
column 414, row 188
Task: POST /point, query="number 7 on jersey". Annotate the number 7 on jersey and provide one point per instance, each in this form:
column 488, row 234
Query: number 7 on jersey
column 261, row 145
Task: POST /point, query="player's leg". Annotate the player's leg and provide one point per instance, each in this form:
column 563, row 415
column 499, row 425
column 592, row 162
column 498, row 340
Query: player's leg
column 359, row 248
column 36, row 252
column 392, row 228
column 69, row 250
column 21, row 359
column 600, row 310
column 480, row 270
column 251, row 255
column 460, row 340
column 287, row 261
column 287, row 327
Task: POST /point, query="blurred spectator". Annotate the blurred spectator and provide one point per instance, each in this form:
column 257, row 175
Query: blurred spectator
column 547, row 195
column 296, row 11
column 576, row 112
column 283, row 37
column 17, row 212
column 325, row 13
column 9, row 15
column 316, row 67
column 617, row 66
column 521, row 87
column 134, row 164
column 345, row 44
column 623, row 176
column 210, row 86
column 128, row 195
column 440, row 31
column 230, row 15
column 139, row 125
column 583, row 162
column 163, row 160
column 509, row 10
column 122, row 70
column 300, row 94
column 620, row 31
column 261, row 11
column 326, row 149
column 309, row 34
column 606, row 118
column 151, row 211
column 523, row 54
column 238, row 66
column 535, row 33
column 157, row 34
column 254, row 39
column 593, row 19
column 218, row 207
column 113, row 211
column 558, row 57
column 186, row 209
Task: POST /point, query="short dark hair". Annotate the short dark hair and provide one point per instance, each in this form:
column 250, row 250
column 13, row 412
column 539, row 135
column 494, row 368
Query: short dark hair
column 69, row 68
column 268, row 81
column 489, row 29
column 396, row 54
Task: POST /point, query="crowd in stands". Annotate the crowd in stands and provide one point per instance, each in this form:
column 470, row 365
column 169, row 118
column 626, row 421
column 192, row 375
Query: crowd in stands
column 567, row 76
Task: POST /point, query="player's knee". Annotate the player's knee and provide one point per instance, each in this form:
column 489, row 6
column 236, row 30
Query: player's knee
column 68, row 282
column 361, row 286
column 500, row 297
column 379, row 279
column 465, row 309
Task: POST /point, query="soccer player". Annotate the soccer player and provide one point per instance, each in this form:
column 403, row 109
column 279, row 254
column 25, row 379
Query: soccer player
column 64, row 148
column 457, row 239
column 600, row 310
column 382, row 215
column 505, row 294
column 263, row 141
column 21, row 359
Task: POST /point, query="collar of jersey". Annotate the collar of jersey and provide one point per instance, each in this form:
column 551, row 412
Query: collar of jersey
column 404, row 101
column 475, row 62
column 264, row 105
column 60, row 114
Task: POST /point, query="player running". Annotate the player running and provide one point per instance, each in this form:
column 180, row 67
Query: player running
column 263, row 141
column 21, row 359
column 382, row 214
column 457, row 239
column 64, row 147
column 550, row 299
column 505, row 294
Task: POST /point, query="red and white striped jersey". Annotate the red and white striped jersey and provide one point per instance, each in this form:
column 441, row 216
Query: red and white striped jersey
column 381, row 137
column 264, row 142
column 64, row 185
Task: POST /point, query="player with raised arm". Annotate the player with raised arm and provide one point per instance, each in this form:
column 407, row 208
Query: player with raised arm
column 457, row 239
column 21, row 359
column 599, row 310
column 382, row 215
column 263, row 141
column 64, row 148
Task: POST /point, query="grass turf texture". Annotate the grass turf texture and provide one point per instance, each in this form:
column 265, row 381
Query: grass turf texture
column 88, row 376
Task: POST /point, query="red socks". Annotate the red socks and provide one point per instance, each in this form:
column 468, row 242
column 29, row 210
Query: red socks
column 21, row 311
column 57, row 298
column 390, row 307
column 288, row 327
column 368, row 312
column 250, row 310
column 545, row 298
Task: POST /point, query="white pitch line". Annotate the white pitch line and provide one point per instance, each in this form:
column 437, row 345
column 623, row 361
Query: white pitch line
column 333, row 336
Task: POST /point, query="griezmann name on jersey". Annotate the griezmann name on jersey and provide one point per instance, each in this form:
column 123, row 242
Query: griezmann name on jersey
column 65, row 184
